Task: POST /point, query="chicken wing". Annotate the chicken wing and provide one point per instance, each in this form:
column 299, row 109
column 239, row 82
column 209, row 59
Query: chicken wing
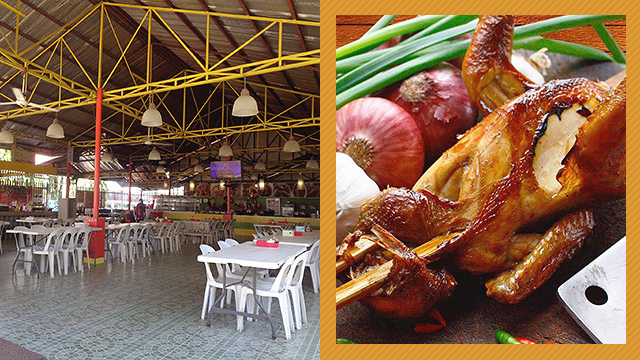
column 487, row 71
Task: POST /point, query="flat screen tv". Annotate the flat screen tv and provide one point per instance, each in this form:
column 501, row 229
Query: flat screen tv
column 226, row 169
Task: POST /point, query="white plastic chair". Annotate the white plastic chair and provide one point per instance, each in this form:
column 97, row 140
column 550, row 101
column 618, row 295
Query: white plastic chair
column 120, row 242
column 270, row 288
column 177, row 236
column 68, row 247
column 132, row 240
column 50, row 249
column 158, row 235
column 231, row 242
column 294, row 286
column 143, row 240
column 82, row 241
column 313, row 263
column 215, row 284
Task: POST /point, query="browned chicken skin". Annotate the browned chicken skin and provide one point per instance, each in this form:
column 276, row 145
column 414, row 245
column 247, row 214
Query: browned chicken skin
column 487, row 70
column 519, row 168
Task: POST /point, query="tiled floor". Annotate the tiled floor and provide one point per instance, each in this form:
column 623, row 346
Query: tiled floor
column 146, row 309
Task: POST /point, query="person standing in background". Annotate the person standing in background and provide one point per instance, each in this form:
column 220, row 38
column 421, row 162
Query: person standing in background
column 140, row 211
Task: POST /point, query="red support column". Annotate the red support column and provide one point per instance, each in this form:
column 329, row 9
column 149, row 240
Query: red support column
column 97, row 237
column 169, row 184
column 96, row 173
column 129, row 205
column 228, row 195
column 228, row 198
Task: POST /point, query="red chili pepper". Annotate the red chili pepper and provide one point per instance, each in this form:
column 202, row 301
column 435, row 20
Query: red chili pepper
column 434, row 313
column 427, row 328
column 524, row 341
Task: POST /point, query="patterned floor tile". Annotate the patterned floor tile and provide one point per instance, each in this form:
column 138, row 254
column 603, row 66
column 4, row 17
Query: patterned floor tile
column 145, row 309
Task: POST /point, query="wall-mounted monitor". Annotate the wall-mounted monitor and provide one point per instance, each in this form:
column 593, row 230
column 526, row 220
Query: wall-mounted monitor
column 226, row 169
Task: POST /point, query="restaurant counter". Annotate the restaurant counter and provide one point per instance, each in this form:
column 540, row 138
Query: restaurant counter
column 244, row 223
column 11, row 216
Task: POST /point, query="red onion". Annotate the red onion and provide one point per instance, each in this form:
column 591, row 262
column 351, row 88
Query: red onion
column 383, row 139
column 440, row 105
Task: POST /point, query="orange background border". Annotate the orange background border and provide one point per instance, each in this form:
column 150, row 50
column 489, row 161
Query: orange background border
column 328, row 348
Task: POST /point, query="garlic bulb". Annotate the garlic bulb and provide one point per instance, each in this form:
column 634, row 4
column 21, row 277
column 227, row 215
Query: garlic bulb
column 526, row 68
column 353, row 188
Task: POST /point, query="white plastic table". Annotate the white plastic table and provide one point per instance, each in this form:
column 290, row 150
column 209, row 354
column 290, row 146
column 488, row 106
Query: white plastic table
column 31, row 221
column 35, row 233
column 306, row 239
column 249, row 255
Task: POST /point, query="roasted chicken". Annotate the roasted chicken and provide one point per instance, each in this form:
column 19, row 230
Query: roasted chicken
column 537, row 162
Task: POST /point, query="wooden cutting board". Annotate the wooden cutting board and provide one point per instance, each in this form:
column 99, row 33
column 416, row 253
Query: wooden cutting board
column 472, row 317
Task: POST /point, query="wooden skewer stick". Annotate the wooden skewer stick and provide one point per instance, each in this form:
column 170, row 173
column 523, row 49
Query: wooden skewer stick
column 372, row 280
column 363, row 247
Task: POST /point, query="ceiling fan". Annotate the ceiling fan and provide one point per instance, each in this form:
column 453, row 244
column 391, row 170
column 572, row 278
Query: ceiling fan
column 148, row 142
column 20, row 98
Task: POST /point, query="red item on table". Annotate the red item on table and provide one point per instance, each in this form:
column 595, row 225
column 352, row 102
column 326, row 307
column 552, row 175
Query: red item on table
column 297, row 233
column 265, row 243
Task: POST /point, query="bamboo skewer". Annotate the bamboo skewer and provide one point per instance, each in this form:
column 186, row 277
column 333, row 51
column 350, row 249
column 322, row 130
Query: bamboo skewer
column 363, row 247
column 372, row 280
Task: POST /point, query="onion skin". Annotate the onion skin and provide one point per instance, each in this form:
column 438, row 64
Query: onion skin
column 383, row 139
column 438, row 100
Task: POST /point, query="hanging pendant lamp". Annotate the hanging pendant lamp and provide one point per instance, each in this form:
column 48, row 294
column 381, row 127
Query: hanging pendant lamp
column 300, row 183
column 154, row 154
column 198, row 168
column 225, row 150
column 55, row 130
column 260, row 166
column 312, row 164
column 6, row 137
column 106, row 157
column 152, row 117
column 160, row 169
column 291, row 145
column 245, row 105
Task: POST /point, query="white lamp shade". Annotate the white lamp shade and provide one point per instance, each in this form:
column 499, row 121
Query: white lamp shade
column 152, row 117
column 106, row 157
column 6, row 137
column 312, row 164
column 260, row 166
column 245, row 105
column 154, row 154
column 55, row 130
column 160, row 169
column 198, row 168
column 225, row 150
column 291, row 145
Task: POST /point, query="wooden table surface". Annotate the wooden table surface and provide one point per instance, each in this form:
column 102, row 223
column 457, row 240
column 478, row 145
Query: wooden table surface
column 352, row 27
column 472, row 317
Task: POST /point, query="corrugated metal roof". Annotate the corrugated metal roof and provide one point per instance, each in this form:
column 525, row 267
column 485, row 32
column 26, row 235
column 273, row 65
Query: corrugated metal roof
column 169, row 58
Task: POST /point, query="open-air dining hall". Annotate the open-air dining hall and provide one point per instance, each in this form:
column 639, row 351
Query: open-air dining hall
column 159, row 179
